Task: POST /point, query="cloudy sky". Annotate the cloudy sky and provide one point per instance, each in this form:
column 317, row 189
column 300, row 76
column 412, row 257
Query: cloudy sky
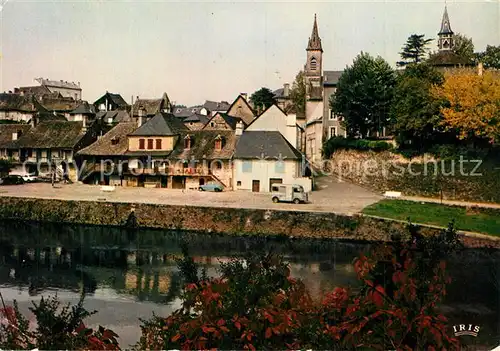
column 211, row 50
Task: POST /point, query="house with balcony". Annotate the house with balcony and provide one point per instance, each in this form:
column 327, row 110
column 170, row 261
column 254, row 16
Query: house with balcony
column 48, row 144
column 162, row 153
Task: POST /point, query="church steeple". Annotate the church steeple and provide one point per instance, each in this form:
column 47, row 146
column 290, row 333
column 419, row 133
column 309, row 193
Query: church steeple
column 445, row 41
column 315, row 40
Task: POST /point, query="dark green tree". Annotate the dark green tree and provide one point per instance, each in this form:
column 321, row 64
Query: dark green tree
column 490, row 58
column 463, row 47
column 414, row 111
column 364, row 95
column 262, row 99
column 414, row 50
column 298, row 93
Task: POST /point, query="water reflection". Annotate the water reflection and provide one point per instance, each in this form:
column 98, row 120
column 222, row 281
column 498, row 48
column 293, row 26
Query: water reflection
column 117, row 264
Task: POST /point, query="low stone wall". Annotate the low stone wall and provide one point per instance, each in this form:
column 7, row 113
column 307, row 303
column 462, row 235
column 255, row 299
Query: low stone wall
column 207, row 219
column 471, row 180
column 229, row 221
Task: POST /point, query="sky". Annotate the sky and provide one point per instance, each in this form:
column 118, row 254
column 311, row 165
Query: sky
column 211, row 50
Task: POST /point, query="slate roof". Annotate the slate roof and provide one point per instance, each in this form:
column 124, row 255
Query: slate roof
column 6, row 131
column 58, row 84
column 183, row 112
column 84, row 108
column 445, row 24
column 116, row 99
column 152, row 106
column 162, row 124
column 52, row 134
column 314, row 40
column 216, row 106
column 15, row 102
column 197, row 117
column 104, row 146
column 116, row 116
column 61, row 104
column 35, row 90
column 203, row 145
column 331, row 78
column 447, row 58
column 265, row 144
column 232, row 121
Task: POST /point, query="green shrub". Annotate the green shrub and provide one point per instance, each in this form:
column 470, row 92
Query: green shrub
column 341, row 143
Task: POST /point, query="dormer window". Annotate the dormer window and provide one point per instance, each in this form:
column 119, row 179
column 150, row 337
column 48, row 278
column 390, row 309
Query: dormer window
column 218, row 143
column 314, row 63
column 187, row 142
column 115, row 140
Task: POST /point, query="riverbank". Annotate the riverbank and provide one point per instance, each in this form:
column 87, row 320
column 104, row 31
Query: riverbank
column 230, row 221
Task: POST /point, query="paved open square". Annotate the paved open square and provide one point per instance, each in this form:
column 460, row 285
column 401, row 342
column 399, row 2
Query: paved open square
column 332, row 196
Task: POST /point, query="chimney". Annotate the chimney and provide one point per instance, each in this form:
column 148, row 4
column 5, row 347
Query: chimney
column 244, row 95
column 480, row 69
column 239, row 128
column 286, row 90
column 84, row 124
column 15, row 135
column 139, row 121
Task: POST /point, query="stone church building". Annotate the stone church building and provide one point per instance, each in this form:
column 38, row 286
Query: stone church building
column 319, row 123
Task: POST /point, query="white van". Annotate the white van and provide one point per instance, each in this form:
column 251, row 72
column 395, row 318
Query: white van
column 288, row 193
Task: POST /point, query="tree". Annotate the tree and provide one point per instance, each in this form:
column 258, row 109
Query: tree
column 490, row 58
column 364, row 94
column 262, row 99
column 463, row 47
column 414, row 50
column 256, row 304
column 298, row 93
column 472, row 104
column 415, row 111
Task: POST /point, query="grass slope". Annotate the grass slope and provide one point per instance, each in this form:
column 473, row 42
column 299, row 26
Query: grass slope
column 475, row 220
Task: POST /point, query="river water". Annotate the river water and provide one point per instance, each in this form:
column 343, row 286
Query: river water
column 129, row 274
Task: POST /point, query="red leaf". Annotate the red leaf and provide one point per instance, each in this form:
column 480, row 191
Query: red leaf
column 221, row 322
column 369, row 283
column 237, row 325
column 176, row 337
column 380, row 289
column 269, row 333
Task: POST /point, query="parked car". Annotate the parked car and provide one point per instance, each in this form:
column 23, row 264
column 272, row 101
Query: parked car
column 12, row 180
column 211, row 187
column 288, row 193
column 28, row 178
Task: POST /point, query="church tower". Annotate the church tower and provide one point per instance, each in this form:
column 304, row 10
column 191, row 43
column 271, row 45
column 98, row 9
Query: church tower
column 445, row 41
column 313, row 69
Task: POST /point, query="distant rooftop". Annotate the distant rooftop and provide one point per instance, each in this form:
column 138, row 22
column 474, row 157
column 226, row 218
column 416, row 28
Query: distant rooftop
column 58, row 83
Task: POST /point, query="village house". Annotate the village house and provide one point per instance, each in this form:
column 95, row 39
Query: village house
column 110, row 102
column 275, row 119
column 264, row 158
column 48, row 142
column 17, row 108
column 196, row 121
column 240, row 108
column 222, row 121
column 145, row 109
column 64, row 88
column 282, row 97
column 214, row 107
column 161, row 153
column 10, row 133
column 84, row 111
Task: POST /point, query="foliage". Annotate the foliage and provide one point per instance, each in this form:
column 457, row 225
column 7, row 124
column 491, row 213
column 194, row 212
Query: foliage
column 255, row 304
column 415, row 112
column 298, row 93
column 490, row 58
column 414, row 49
column 5, row 166
column 341, row 143
column 364, row 94
column 463, row 47
column 262, row 99
column 473, row 104
column 58, row 327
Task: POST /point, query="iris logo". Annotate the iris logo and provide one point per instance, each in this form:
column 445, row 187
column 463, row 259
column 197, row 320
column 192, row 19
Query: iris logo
column 466, row 329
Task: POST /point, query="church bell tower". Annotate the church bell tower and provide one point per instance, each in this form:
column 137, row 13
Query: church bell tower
column 445, row 41
column 313, row 69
